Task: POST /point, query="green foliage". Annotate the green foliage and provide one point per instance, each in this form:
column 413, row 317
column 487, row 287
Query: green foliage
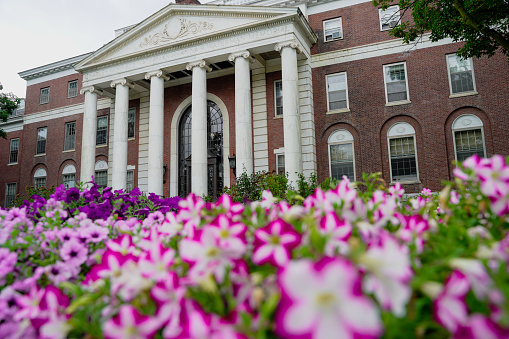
column 250, row 187
column 482, row 24
column 8, row 103
column 30, row 192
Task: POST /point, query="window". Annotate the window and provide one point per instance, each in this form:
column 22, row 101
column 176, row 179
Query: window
column 130, row 122
column 40, row 178
column 332, row 29
column 72, row 89
column 41, row 140
column 402, row 154
column 389, row 18
column 278, row 95
column 337, row 93
column 468, row 137
column 44, row 99
column 102, row 130
column 70, row 136
column 396, row 86
column 461, row 77
column 101, row 173
column 130, row 181
column 13, row 155
column 69, row 176
column 10, row 193
column 280, row 163
column 341, row 155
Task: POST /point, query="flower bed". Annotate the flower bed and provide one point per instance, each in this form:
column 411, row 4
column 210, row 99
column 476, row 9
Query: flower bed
column 343, row 264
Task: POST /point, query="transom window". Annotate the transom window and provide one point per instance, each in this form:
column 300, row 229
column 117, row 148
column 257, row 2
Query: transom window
column 40, row 178
column 461, row 76
column 333, row 29
column 102, row 130
column 44, row 99
column 131, row 116
column 13, row 154
column 10, row 193
column 341, row 155
column 337, row 91
column 402, row 153
column 468, row 137
column 278, row 97
column 70, row 136
column 396, row 85
column 389, row 18
column 72, row 89
column 42, row 134
column 69, row 176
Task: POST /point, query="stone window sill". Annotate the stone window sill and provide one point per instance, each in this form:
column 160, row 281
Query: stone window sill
column 68, row 151
column 341, row 110
column 406, row 182
column 464, row 94
column 99, row 146
column 40, row 155
column 131, row 139
column 279, row 116
column 12, row 164
column 396, row 103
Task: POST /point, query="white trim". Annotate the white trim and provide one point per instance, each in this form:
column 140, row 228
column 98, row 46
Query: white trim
column 460, row 94
column 107, row 130
column 40, row 173
column 407, row 100
column 396, row 133
column 280, row 150
column 343, row 137
column 69, row 169
column 50, row 77
column 331, row 5
column 329, row 111
column 477, row 124
column 174, row 141
column 131, row 167
column 62, row 112
column 380, row 11
column 377, row 49
column 101, row 165
column 340, row 29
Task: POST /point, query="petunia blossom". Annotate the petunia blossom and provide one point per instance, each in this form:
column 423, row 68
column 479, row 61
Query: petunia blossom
column 274, row 243
column 129, row 323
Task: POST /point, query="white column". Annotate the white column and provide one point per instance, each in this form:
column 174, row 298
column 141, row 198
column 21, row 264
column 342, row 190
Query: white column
column 199, row 127
column 156, row 132
column 88, row 137
column 243, row 118
column 291, row 117
column 119, row 170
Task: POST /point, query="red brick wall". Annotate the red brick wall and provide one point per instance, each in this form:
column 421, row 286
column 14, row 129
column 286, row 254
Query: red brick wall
column 57, row 94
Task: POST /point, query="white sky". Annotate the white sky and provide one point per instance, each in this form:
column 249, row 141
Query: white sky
column 38, row 32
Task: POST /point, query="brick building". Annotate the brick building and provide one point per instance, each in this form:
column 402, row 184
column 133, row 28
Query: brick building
column 301, row 87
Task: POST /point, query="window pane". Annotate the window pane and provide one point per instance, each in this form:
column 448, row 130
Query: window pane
column 41, row 140
column 280, row 164
column 333, row 29
column 461, row 74
column 341, row 160
column 72, row 89
column 40, row 182
column 130, row 124
column 390, row 17
column 278, row 86
column 101, row 178
column 13, row 156
column 469, row 143
column 396, row 83
column 130, row 181
column 403, row 162
column 69, row 180
column 102, row 129
column 10, row 193
column 44, row 95
column 70, row 136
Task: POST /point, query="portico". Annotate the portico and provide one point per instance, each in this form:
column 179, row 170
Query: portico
column 193, row 40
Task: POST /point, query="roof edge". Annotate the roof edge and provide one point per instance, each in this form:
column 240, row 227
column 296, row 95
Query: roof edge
column 52, row 68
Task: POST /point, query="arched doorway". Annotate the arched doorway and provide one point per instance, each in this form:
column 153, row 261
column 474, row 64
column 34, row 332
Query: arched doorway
column 215, row 177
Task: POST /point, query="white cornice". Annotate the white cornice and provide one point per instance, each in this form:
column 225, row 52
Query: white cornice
column 55, row 67
column 12, row 124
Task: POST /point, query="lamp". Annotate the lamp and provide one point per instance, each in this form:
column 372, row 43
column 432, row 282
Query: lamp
column 233, row 163
column 165, row 167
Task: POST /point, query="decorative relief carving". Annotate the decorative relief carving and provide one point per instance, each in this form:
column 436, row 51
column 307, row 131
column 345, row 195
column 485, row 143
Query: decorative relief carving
column 199, row 63
column 123, row 82
column 400, row 129
column 91, row 89
column 467, row 122
column 293, row 44
column 242, row 54
column 340, row 136
column 157, row 73
column 173, row 31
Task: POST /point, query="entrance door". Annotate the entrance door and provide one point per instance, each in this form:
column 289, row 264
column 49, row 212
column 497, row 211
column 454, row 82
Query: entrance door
column 214, row 150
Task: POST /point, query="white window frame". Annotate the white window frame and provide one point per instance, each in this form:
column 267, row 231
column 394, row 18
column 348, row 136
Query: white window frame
column 40, row 140
column 340, row 29
column 275, row 98
column 460, row 94
column 341, row 137
column 72, row 92
column 399, row 102
column 101, row 166
column 11, row 150
column 467, row 122
column 66, row 136
column 381, row 21
column 278, row 152
column 44, row 98
column 397, row 131
column 69, row 170
column 40, row 173
column 132, row 111
column 10, row 195
column 327, row 90
column 97, row 129
column 129, row 182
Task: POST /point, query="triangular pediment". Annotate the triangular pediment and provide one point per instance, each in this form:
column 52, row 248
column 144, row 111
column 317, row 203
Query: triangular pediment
column 176, row 25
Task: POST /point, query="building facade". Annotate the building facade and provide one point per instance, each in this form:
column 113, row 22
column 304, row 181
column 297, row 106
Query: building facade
column 295, row 87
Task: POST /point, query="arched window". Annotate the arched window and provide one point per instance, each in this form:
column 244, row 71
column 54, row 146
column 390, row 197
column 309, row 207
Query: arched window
column 214, row 150
column 341, row 155
column 402, row 153
column 69, row 176
column 101, row 173
column 468, row 137
column 40, row 178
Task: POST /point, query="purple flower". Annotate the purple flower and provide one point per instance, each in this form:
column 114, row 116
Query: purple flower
column 72, row 194
column 66, row 234
column 73, row 252
column 8, row 260
column 94, row 233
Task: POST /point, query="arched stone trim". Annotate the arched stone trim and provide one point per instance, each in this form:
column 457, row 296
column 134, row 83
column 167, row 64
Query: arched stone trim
column 466, row 121
column 400, row 129
column 341, row 137
column 174, row 141
column 40, row 173
column 69, row 169
column 101, row 165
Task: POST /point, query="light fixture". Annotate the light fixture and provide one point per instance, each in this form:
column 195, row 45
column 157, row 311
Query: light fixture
column 233, row 163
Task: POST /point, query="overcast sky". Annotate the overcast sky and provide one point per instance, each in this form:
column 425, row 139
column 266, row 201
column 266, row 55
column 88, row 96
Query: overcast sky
column 39, row 32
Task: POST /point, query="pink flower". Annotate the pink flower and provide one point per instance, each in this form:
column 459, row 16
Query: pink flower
column 480, row 327
column 60, row 272
column 155, row 262
column 123, row 244
column 494, row 177
column 94, row 233
column 337, row 233
column 231, row 234
column 8, row 260
column 396, row 190
column 450, row 307
column 73, row 252
column 66, row 234
column 412, row 229
column 194, row 322
column 233, row 210
column 274, row 243
column 190, row 212
column 389, row 273
column 323, row 300
column 476, row 274
column 129, row 323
